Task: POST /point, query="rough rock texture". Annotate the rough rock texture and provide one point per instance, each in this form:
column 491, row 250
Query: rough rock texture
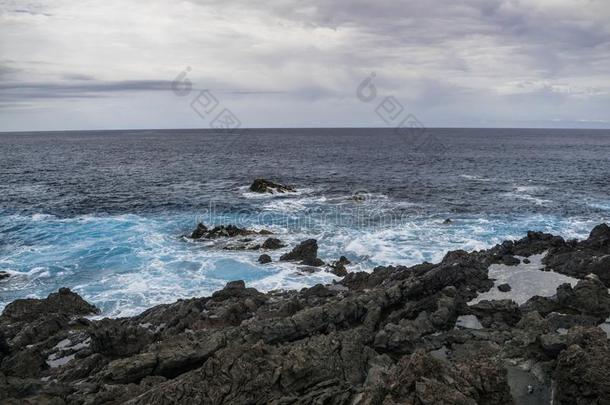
column 385, row 337
column 306, row 252
column 504, row 287
column 272, row 244
column 578, row 259
column 221, row 231
column 264, row 259
column 338, row 267
column 266, row 186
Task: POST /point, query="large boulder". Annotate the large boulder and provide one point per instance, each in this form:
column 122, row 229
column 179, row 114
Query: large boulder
column 588, row 298
column 582, row 374
column 63, row 302
column 306, row 252
column 272, row 244
column 579, row 259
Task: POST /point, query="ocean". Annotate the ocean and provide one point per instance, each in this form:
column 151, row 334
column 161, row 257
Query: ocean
column 104, row 212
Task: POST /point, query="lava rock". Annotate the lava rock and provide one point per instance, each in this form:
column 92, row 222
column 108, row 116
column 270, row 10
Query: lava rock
column 372, row 338
column 199, row 232
column 63, row 302
column 509, row 260
column 338, row 267
column 306, row 252
column 272, row 244
column 504, row 287
column 266, row 186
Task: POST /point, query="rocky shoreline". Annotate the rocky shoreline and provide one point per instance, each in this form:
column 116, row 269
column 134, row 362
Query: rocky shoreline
column 397, row 335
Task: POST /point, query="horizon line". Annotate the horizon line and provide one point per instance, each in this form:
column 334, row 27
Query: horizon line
column 207, row 129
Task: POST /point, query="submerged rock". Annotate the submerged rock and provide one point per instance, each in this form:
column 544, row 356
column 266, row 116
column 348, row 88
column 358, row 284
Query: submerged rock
column 4, row 275
column 266, row 186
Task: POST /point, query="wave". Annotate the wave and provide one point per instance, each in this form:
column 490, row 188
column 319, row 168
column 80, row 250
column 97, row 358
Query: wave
column 127, row 263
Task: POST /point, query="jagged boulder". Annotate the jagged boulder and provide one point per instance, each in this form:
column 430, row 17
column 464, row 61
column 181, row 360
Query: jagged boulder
column 63, row 302
column 306, row 252
column 272, row 244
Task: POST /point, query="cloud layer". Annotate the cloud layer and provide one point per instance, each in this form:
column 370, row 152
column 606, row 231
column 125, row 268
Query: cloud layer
column 87, row 64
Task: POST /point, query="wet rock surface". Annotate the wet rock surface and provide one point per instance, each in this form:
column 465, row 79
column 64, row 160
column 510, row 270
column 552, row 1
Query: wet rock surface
column 267, row 186
column 305, row 252
column 222, row 231
column 397, row 335
column 264, row 259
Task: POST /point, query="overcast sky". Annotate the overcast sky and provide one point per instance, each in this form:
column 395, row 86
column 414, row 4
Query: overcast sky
column 82, row 64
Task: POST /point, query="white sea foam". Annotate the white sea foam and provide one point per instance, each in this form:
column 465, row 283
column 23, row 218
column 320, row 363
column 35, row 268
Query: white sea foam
column 475, row 177
column 128, row 263
column 246, row 193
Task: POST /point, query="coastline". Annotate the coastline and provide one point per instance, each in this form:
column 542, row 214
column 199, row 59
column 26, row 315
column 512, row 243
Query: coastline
column 397, row 335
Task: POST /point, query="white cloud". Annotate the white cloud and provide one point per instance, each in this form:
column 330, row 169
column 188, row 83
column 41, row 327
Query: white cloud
column 294, row 63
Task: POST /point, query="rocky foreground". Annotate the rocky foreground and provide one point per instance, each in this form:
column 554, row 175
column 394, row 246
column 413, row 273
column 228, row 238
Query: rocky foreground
column 394, row 336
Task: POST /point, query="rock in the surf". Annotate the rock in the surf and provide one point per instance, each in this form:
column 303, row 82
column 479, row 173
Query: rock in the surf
column 338, row 267
column 223, row 231
column 199, row 232
column 267, row 186
column 306, row 252
column 264, row 259
column 272, row 244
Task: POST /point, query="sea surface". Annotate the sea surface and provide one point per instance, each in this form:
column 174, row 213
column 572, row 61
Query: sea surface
column 104, row 212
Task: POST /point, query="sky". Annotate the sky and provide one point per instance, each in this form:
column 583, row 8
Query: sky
column 114, row 64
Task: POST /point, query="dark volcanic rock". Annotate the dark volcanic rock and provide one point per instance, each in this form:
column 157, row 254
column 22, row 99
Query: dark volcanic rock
column 504, row 287
column 338, row 267
column 272, row 244
column 583, row 370
column 589, row 297
column 199, row 232
column 386, row 337
column 264, row 259
column 63, row 302
column 509, row 260
column 497, row 313
column 306, row 252
column 222, row 231
column 4, row 275
column 578, row 259
column 266, row 186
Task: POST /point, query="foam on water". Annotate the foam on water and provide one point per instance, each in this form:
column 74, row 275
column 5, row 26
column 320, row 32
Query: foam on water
column 104, row 213
column 128, row 263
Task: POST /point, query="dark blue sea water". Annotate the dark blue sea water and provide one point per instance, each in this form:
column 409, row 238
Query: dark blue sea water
column 103, row 212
